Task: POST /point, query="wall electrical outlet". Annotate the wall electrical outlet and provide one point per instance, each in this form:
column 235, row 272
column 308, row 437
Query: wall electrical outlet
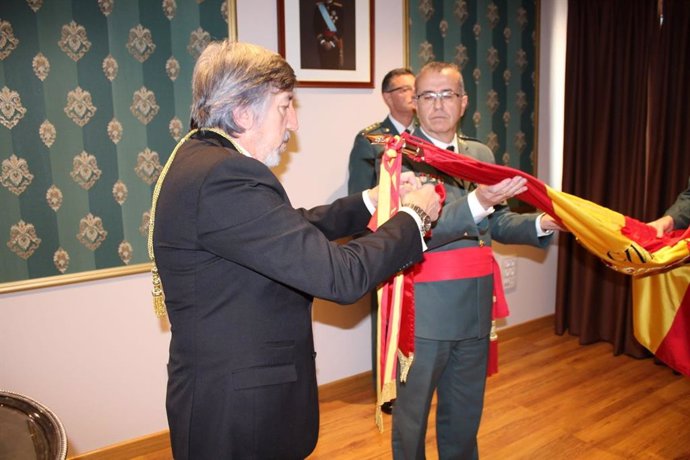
column 509, row 272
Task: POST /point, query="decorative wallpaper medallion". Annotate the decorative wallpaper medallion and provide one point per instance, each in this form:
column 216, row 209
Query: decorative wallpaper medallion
column 35, row 5
column 23, row 239
column 169, row 8
column 148, row 166
column 110, row 67
column 120, row 192
column 115, row 130
column 85, row 170
column 16, row 176
column 144, row 224
column 144, row 106
column 41, row 66
column 91, row 232
column 140, row 44
column 125, row 251
column 73, row 41
column 11, row 108
column 47, row 133
column 106, row 6
column 8, row 42
column 54, row 197
column 172, row 68
column 198, row 40
column 175, row 127
column 79, row 107
column 61, row 260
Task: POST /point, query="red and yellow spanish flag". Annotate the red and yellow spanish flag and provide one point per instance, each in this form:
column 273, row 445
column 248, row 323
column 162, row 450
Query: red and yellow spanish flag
column 662, row 298
column 661, row 315
column 393, row 317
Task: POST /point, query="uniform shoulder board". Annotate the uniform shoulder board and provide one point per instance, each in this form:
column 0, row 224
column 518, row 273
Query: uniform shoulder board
column 468, row 138
column 372, row 127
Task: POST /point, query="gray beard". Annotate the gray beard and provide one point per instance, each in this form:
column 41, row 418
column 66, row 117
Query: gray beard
column 273, row 159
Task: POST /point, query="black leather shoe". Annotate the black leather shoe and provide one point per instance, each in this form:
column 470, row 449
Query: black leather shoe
column 387, row 407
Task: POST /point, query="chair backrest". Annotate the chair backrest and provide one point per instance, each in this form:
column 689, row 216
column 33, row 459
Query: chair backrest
column 30, row 430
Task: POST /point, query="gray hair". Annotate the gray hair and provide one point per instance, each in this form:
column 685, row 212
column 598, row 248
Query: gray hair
column 230, row 75
column 438, row 67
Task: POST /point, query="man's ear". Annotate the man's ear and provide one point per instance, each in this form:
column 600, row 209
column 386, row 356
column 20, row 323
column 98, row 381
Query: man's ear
column 244, row 117
column 387, row 99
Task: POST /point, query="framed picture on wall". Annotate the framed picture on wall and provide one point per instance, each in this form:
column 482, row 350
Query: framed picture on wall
column 329, row 43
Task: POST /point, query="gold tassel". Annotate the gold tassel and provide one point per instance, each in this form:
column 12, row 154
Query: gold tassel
column 157, row 292
column 405, row 364
column 379, row 418
column 387, row 393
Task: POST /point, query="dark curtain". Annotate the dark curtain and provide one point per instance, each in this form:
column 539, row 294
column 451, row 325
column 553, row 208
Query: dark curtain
column 608, row 58
column 669, row 122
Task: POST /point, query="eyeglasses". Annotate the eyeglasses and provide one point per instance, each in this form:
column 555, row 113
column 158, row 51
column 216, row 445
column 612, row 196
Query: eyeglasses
column 428, row 97
column 403, row 89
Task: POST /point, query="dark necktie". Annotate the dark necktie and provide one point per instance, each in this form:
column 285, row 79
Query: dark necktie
column 451, row 148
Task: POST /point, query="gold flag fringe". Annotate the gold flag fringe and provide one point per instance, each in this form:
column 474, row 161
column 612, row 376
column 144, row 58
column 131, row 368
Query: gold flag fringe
column 405, row 364
column 387, row 394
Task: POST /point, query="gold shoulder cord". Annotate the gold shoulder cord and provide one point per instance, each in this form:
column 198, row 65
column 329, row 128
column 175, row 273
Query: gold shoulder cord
column 157, row 292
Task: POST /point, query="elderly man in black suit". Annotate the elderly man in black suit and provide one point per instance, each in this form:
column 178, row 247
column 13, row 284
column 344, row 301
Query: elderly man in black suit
column 240, row 266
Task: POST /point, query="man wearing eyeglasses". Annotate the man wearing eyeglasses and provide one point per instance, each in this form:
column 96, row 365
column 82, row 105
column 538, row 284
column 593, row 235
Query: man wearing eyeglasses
column 397, row 90
column 453, row 306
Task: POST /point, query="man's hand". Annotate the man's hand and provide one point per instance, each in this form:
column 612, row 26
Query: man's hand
column 491, row 195
column 548, row 223
column 408, row 183
column 426, row 198
column 662, row 225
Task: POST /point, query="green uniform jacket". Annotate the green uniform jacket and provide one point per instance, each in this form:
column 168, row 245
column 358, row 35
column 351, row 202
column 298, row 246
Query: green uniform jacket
column 460, row 309
column 362, row 166
column 680, row 210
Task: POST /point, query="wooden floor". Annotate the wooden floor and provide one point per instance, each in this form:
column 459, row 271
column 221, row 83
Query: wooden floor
column 552, row 399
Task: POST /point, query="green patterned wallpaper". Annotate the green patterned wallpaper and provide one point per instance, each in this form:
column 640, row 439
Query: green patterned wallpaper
column 93, row 97
column 495, row 45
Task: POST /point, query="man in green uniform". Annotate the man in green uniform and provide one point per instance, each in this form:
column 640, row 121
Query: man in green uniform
column 454, row 300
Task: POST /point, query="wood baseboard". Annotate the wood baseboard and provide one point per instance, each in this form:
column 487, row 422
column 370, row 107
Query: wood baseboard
column 525, row 328
column 129, row 449
column 158, row 441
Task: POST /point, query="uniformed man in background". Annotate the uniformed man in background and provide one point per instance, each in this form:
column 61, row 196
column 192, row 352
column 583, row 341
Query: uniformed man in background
column 397, row 90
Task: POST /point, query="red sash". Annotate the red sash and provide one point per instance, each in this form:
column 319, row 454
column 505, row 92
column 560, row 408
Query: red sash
column 468, row 263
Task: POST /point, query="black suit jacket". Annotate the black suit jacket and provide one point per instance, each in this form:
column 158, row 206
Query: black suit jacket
column 240, row 268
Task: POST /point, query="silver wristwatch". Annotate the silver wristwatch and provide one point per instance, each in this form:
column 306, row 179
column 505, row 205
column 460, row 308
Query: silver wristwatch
column 423, row 217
